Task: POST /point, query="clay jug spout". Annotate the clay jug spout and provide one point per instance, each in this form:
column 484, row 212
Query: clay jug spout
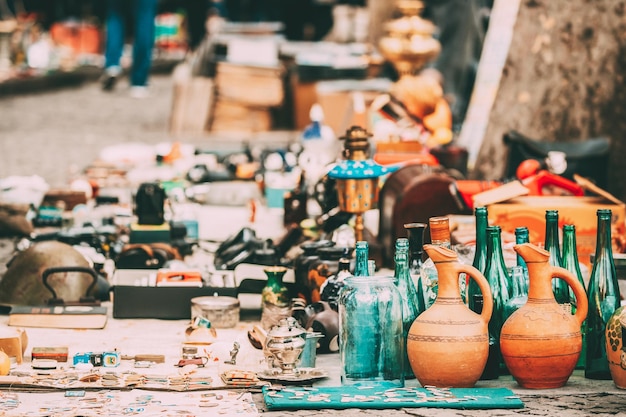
column 440, row 253
column 532, row 253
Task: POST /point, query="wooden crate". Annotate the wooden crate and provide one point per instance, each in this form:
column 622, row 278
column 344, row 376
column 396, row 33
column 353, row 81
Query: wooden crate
column 191, row 106
column 231, row 115
column 250, row 85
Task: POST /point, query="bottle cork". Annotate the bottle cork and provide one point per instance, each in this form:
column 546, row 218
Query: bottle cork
column 439, row 229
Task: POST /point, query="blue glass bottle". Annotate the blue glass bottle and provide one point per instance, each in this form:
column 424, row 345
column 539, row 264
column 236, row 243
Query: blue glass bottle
column 410, row 302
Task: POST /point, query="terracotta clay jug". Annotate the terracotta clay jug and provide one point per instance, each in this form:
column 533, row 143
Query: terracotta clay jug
column 541, row 342
column 448, row 344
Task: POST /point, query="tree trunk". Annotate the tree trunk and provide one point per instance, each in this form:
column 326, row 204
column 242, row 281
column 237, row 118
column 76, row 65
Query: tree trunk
column 380, row 12
column 563, row 80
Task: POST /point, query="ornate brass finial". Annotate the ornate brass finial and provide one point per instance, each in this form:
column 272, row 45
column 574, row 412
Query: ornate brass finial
column 356, row 145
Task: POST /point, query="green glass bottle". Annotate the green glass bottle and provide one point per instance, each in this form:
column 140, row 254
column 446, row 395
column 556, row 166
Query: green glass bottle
column 410, row 302
column 480, row 254
column 559, row 286
column 570, row 262
column 498, row 277
column 604, row 299
column 361, row 264
column 519, row 292
column 415, row 233
column 521, row 236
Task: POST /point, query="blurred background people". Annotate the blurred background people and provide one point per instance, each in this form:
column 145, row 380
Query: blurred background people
column 142, row 14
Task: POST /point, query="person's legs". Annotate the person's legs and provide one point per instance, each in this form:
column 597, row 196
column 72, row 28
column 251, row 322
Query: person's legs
column 144, row 12
column 114, row 44
column 114, row 35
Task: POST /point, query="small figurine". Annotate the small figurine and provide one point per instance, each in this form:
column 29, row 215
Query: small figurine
column 233, row 354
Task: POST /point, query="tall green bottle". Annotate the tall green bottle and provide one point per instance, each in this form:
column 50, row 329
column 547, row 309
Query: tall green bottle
column 559, row 286
column 415, row 233
column 497, row 275
column 410, row 302
column 480, row 254
column 604, row 299
column 570, row 262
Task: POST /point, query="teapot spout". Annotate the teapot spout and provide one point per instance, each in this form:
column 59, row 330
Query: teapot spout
column 532, row 253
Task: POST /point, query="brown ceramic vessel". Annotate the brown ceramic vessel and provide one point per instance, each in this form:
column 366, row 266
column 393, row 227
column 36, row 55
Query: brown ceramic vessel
column 541, row 342
column 448, row 344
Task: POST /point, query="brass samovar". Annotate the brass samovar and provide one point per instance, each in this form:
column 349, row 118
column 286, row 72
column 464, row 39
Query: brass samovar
column 409, row 42
column 357, row 177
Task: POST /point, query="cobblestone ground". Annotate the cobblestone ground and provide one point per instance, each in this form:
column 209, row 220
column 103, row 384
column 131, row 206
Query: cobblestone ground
column 46, row 133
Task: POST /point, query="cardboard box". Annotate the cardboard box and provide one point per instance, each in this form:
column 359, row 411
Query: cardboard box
column 530, row 211
column 132, row 299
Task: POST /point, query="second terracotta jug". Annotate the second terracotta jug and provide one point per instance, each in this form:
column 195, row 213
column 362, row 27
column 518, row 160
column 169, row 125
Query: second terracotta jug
column 448, row 344
column 541, row 341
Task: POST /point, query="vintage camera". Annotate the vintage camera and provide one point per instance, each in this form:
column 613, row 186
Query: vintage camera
column 150, row 204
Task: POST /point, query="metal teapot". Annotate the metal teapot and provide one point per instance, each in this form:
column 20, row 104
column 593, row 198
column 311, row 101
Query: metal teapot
column 284, row 345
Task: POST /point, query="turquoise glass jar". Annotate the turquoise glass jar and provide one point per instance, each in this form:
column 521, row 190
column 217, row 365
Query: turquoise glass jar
column 371, row 338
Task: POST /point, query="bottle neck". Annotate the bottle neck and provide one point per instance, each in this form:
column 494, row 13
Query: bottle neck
column 603, row 240
column 569, row 243
column 480, row 256
column 521, row 236
column 552, row 233
column 344, row 265
column 402, row 262
column 362, row 254
column 520, row 286
column 495, row 258
column 552, row 241
column 415, row 232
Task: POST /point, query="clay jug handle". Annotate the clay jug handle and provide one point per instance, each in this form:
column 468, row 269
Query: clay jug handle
column 579, row 291
column 485, row 289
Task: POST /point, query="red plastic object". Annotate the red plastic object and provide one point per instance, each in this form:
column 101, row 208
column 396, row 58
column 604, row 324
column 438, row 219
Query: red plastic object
column 527, row 168
column 468, row 188
column 536, row 183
